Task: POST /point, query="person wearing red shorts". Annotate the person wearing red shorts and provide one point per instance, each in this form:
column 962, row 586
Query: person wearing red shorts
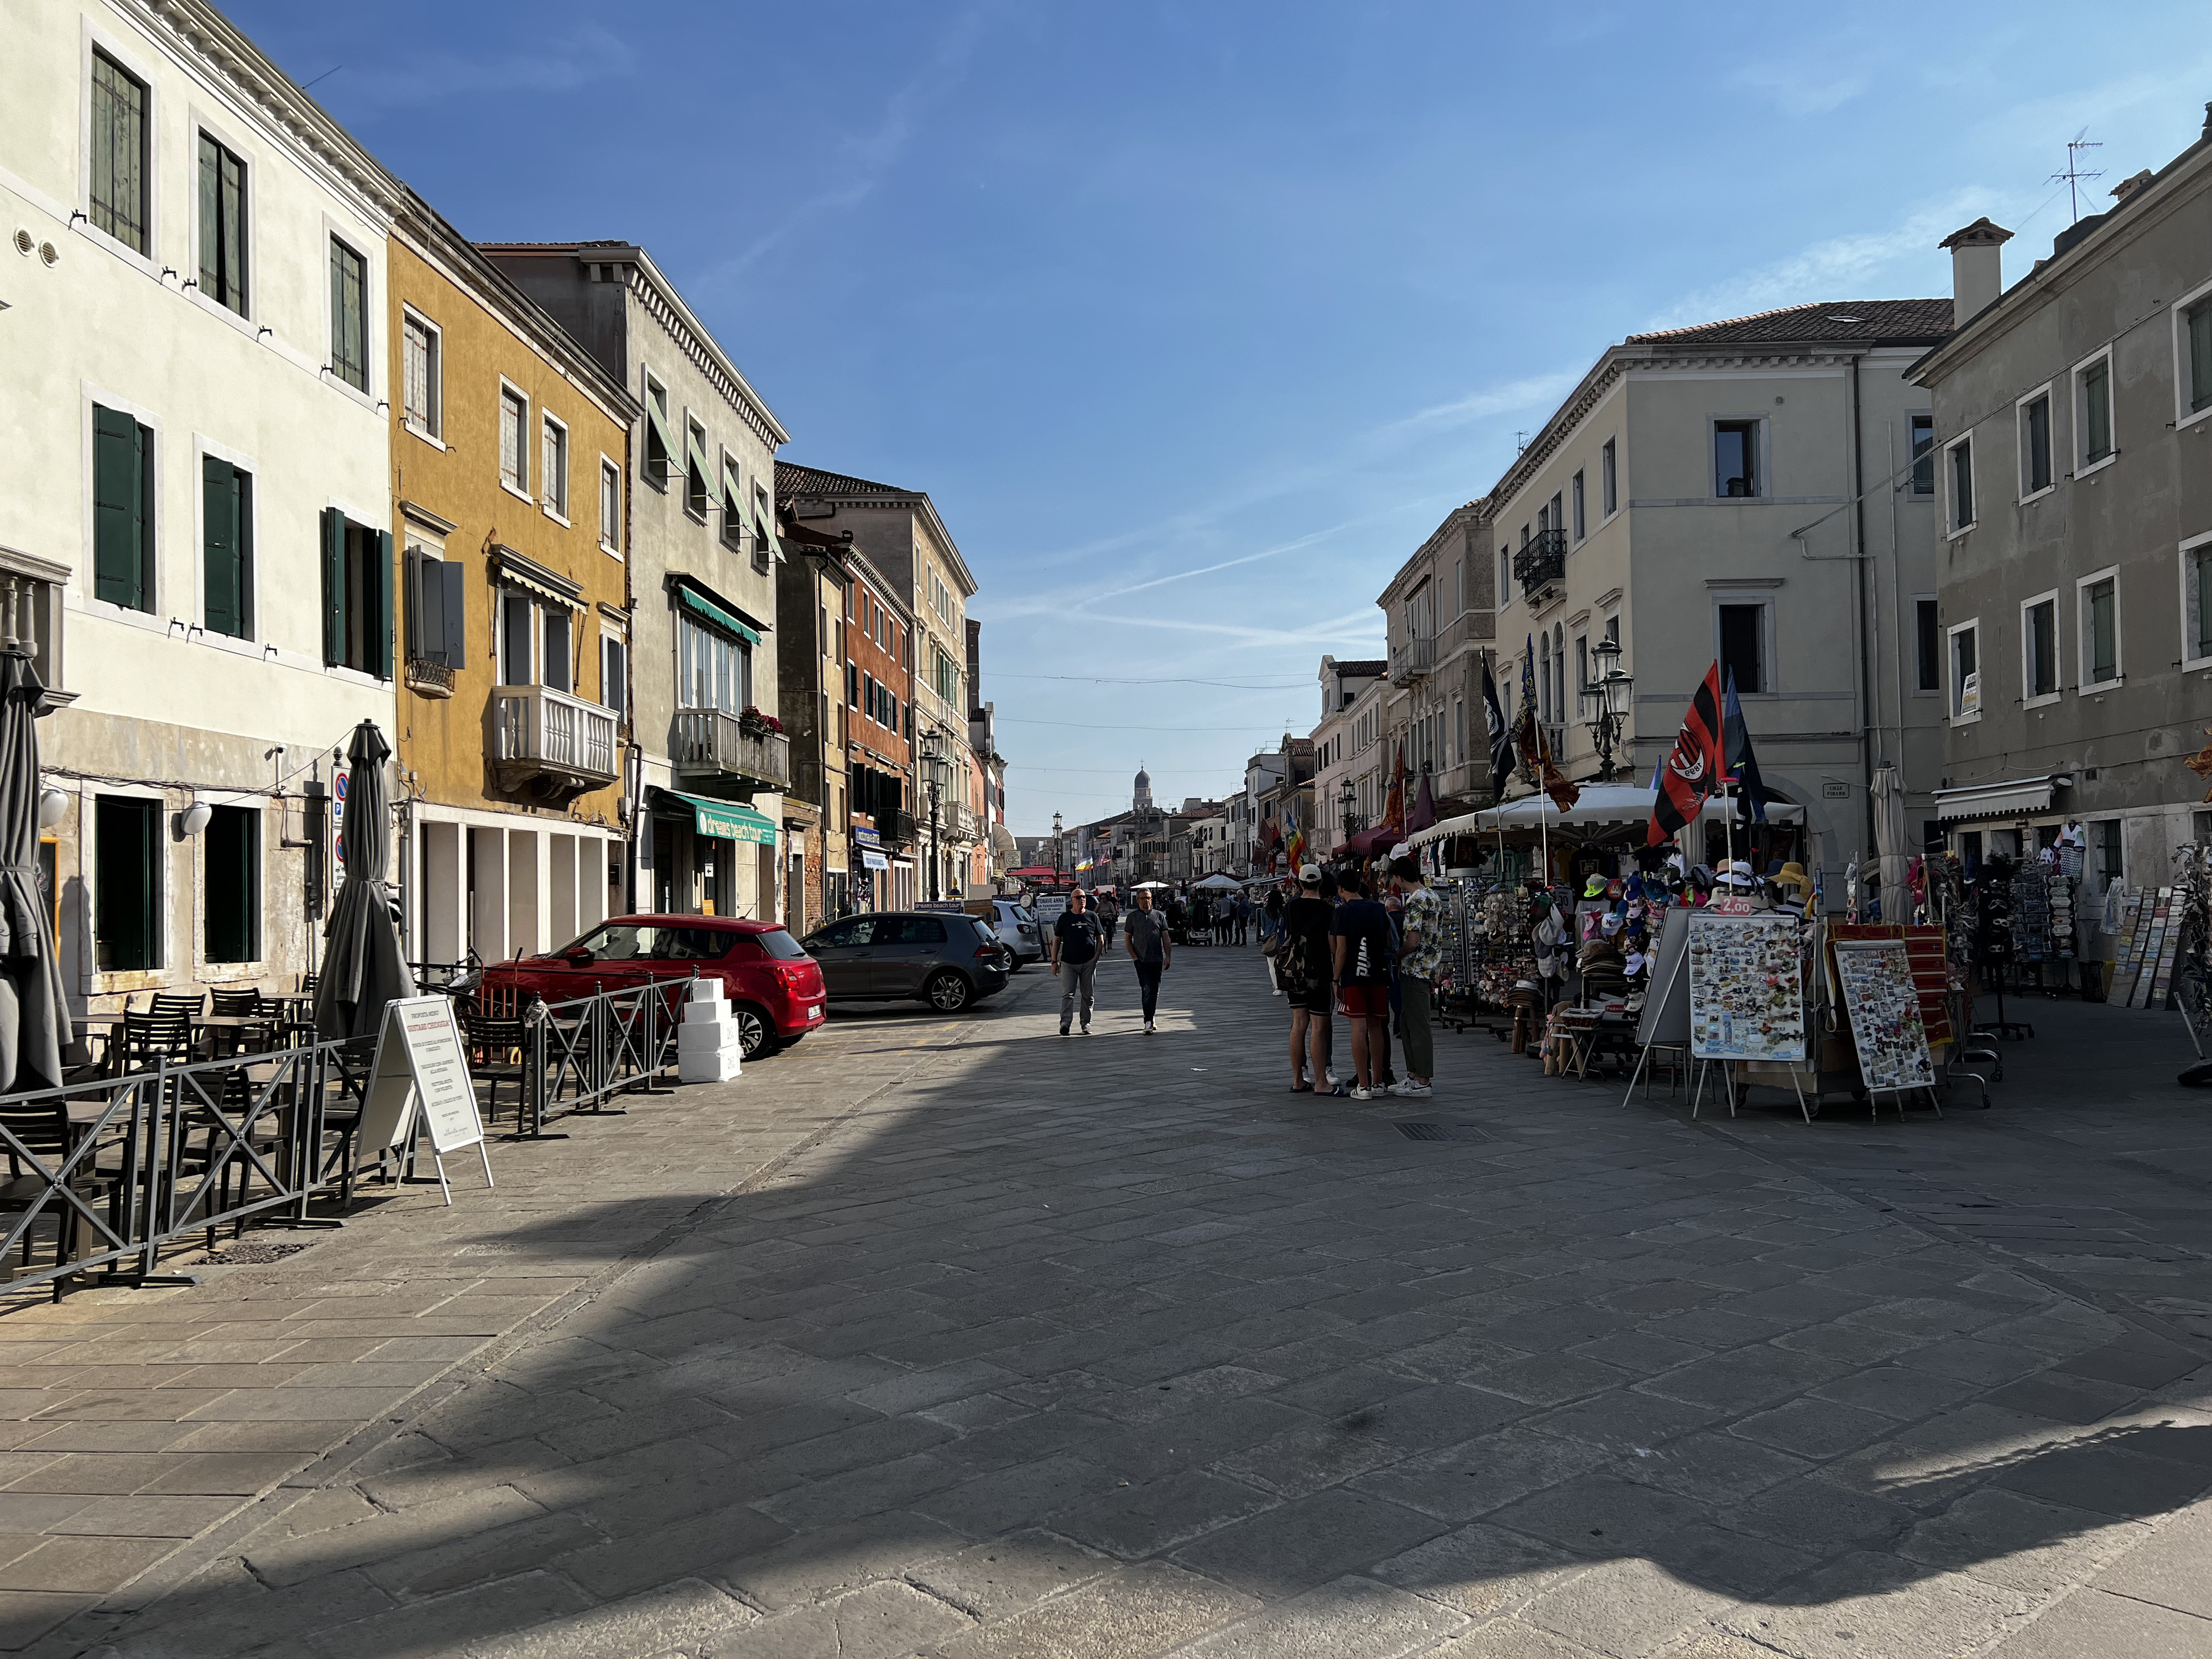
column 1364, row 955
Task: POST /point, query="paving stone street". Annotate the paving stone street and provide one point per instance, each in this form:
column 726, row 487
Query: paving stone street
column 957, row 1338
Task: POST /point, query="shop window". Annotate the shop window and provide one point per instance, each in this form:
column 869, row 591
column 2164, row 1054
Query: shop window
column 232, row 890
column 126, row 916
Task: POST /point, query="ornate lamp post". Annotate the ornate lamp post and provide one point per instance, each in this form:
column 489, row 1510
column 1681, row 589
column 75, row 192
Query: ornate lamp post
column 933, row 759
column 1347, row 813
column 1605, row 705
column 1056, row 845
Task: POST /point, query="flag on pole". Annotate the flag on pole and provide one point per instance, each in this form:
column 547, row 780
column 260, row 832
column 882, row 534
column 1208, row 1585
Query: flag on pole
column 1742, row 764
column 1501, row 739
column 1295, row 846
column 1693, row 770
column 1537, row 764
column 1393, row 809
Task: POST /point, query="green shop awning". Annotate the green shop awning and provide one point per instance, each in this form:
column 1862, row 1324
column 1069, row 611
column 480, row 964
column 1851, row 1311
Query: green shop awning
column 727, row 820
column 707, row 612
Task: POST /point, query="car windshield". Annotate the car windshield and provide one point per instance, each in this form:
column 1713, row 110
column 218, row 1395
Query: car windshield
column 779, row 943
column 634, row 941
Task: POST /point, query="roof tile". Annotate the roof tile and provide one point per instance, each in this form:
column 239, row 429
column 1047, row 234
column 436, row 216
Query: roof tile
column 1902, row 322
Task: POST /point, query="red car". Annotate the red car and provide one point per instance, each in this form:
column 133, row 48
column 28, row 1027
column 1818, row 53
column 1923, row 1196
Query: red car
column 774, row 987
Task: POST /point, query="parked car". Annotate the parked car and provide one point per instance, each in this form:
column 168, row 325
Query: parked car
column 945, row 959
column 775, row 988
column 1014, row 922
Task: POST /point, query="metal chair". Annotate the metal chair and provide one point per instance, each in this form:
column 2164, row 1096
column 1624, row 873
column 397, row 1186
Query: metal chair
column 237, row 1004
column 175, row 1002
column 499, row 1048
column 150, row 1039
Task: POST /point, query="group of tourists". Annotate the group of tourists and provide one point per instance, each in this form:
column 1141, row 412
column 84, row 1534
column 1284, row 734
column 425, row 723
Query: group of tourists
column 1368, row 946
column 1080, row 938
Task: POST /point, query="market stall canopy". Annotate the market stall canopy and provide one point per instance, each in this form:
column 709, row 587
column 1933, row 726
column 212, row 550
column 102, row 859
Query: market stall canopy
column 1600, row 805
column 1219, row 884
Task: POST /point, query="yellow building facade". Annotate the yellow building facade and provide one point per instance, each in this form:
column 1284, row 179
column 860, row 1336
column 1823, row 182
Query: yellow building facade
column 509, row 462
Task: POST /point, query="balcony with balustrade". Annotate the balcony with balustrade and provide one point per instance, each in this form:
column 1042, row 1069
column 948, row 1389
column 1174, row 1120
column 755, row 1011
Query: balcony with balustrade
column 721, row 754
column 1541, row 566
column 1412, row 659
column 550, row 745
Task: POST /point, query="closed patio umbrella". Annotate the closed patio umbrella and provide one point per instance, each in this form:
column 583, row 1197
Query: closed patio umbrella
column 363, row 969
column 1889, row 844
column 35, row 1022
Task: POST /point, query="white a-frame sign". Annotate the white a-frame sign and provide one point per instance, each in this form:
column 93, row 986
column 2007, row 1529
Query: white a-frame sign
column 421, row 1066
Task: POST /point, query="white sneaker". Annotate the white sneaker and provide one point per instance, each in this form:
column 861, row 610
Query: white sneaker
column 1148, row 1025
column 1358, row 1093
column 1410, row 1087
column 1328, row 1081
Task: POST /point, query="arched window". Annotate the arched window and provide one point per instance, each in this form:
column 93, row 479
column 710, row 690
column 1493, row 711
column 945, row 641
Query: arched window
column 1544, row 680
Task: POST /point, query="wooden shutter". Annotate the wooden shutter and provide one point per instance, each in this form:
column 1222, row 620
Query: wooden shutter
column 219, row 520
column 453, row 576
column 334, row 588
column 612, row 674
column 120, row 490
column 380, row 648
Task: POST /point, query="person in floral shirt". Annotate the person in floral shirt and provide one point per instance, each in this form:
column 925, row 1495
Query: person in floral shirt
column 1420, row 958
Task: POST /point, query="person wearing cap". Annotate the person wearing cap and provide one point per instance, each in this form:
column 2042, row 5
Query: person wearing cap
column 1420, row 959
column 1303, row 964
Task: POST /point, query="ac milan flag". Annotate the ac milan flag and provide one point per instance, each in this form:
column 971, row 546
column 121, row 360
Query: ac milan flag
column 1693, row 770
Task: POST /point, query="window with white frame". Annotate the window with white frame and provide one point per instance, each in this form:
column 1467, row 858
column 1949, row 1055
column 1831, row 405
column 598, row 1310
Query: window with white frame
column 553, row 470
column 610, row 513
column 2033, row 415
column 2039, row 648
column 423, row 375
column 515, row 441
column 536, row 642
column 698, row 482
column 2192, row 346
column 1966, row 666
column 222, row 224
column 2093, row 440
column 1920, row 435
column 614, row 673
column 348, row 315
column 1959, row 475
column 714, row 669
column 119, row 199
column 2097, row 606
column 733, row 503
column 2197, row 603
column 1735, row 458
column 1608, row 479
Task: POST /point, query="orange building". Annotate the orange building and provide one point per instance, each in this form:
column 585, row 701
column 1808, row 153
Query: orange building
column 509, row 453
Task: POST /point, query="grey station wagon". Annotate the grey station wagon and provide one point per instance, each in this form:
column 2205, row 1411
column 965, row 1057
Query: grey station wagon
column 945, row 960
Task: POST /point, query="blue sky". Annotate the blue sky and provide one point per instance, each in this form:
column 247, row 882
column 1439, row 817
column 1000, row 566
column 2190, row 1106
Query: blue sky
column 1194, row 319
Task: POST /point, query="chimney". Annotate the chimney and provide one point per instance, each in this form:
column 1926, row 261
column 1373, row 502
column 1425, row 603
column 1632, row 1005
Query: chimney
column 1976, row 268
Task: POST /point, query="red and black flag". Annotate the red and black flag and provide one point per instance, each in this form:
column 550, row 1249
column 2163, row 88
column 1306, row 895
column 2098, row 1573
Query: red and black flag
column 1693, row 770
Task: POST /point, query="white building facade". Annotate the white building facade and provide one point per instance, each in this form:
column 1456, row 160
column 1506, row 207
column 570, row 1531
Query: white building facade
column 198, row 532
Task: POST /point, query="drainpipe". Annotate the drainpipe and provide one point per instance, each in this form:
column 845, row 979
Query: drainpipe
column 1868, row 624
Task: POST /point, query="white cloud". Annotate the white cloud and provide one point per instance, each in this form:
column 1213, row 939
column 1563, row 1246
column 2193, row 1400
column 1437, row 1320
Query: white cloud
column 574, row 59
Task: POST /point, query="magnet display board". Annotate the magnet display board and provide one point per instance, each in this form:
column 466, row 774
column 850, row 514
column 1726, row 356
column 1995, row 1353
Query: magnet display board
column 1884, row 1007
column 1747, row 987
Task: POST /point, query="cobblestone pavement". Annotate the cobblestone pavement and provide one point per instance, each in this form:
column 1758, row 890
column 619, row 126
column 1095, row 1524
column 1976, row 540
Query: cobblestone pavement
column 962, row 1338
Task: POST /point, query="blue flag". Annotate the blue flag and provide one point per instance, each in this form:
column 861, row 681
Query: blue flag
column 1735, row 752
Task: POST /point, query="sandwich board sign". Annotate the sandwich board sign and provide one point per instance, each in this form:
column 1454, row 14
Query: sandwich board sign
column 421, row 1068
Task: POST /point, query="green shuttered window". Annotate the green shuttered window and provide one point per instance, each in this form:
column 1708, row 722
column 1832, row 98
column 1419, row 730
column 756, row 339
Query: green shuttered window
column 357, row 596
column 227, row 515
column 118, row 153
column 349, row 316
column 222, row 226
column 123, row 510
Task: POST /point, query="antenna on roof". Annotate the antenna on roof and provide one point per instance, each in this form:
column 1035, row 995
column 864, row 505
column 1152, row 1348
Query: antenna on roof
column 1520, row 442
column 2074, row 177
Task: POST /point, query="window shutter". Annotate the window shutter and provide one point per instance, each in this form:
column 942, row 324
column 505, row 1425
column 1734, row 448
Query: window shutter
column 380, row 649
column 334, row 594
column 219, row 514
column 612, row 675
column 453, row 576
column 119, row 502
column 241, row 518
column 411, row 563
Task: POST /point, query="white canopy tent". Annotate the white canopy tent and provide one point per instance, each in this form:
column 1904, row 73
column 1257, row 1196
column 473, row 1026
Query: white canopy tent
column 1600, row 805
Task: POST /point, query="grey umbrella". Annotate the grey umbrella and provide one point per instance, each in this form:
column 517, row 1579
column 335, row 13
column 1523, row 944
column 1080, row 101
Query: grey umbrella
column 363, row 969
column 34, row 1021
column 1890, row 845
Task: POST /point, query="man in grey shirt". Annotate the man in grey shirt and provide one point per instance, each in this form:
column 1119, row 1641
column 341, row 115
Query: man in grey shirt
column 1146, row 936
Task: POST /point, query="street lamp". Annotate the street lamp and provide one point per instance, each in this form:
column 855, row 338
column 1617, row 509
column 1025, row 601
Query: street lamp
column 1056, row 845
column 1347, row 814
column 932, row 758
column 1605, row 703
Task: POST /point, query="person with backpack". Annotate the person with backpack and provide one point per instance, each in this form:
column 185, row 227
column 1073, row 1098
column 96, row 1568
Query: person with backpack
column 1302, row 965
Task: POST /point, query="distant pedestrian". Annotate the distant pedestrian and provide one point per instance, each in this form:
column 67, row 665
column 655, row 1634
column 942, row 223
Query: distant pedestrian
column 1149, row 946
column 1420, row 959
column 1364, row 951
column 1077, row 942
column 1108, row 912
column 1244, row 918
column 1303, row 966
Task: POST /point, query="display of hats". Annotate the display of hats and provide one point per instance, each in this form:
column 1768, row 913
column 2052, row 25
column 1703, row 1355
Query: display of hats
column 1594, row 888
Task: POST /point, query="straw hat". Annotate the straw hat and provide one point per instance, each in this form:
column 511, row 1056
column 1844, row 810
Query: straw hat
column 1792, row 874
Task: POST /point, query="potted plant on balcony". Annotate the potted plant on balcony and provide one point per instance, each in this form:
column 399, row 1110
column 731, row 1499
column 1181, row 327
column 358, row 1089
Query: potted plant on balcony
column 753, row 723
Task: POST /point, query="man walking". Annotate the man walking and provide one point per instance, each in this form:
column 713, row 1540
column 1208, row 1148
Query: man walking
column 1363, row 954
column 1420, row 958
column 1076, row 942
column 1146, row 935
column 1107, row 910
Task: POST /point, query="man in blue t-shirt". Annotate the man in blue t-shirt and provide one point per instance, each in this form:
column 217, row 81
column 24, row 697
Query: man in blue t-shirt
column 1364, row 951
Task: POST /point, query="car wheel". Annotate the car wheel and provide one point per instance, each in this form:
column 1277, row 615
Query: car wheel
column 755, row 1034
column 948, row 992
column 1019, row 964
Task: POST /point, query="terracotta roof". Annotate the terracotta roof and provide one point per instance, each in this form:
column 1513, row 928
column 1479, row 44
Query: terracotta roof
column 1364, row 668
column 813, row 483
column 1902, row 322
